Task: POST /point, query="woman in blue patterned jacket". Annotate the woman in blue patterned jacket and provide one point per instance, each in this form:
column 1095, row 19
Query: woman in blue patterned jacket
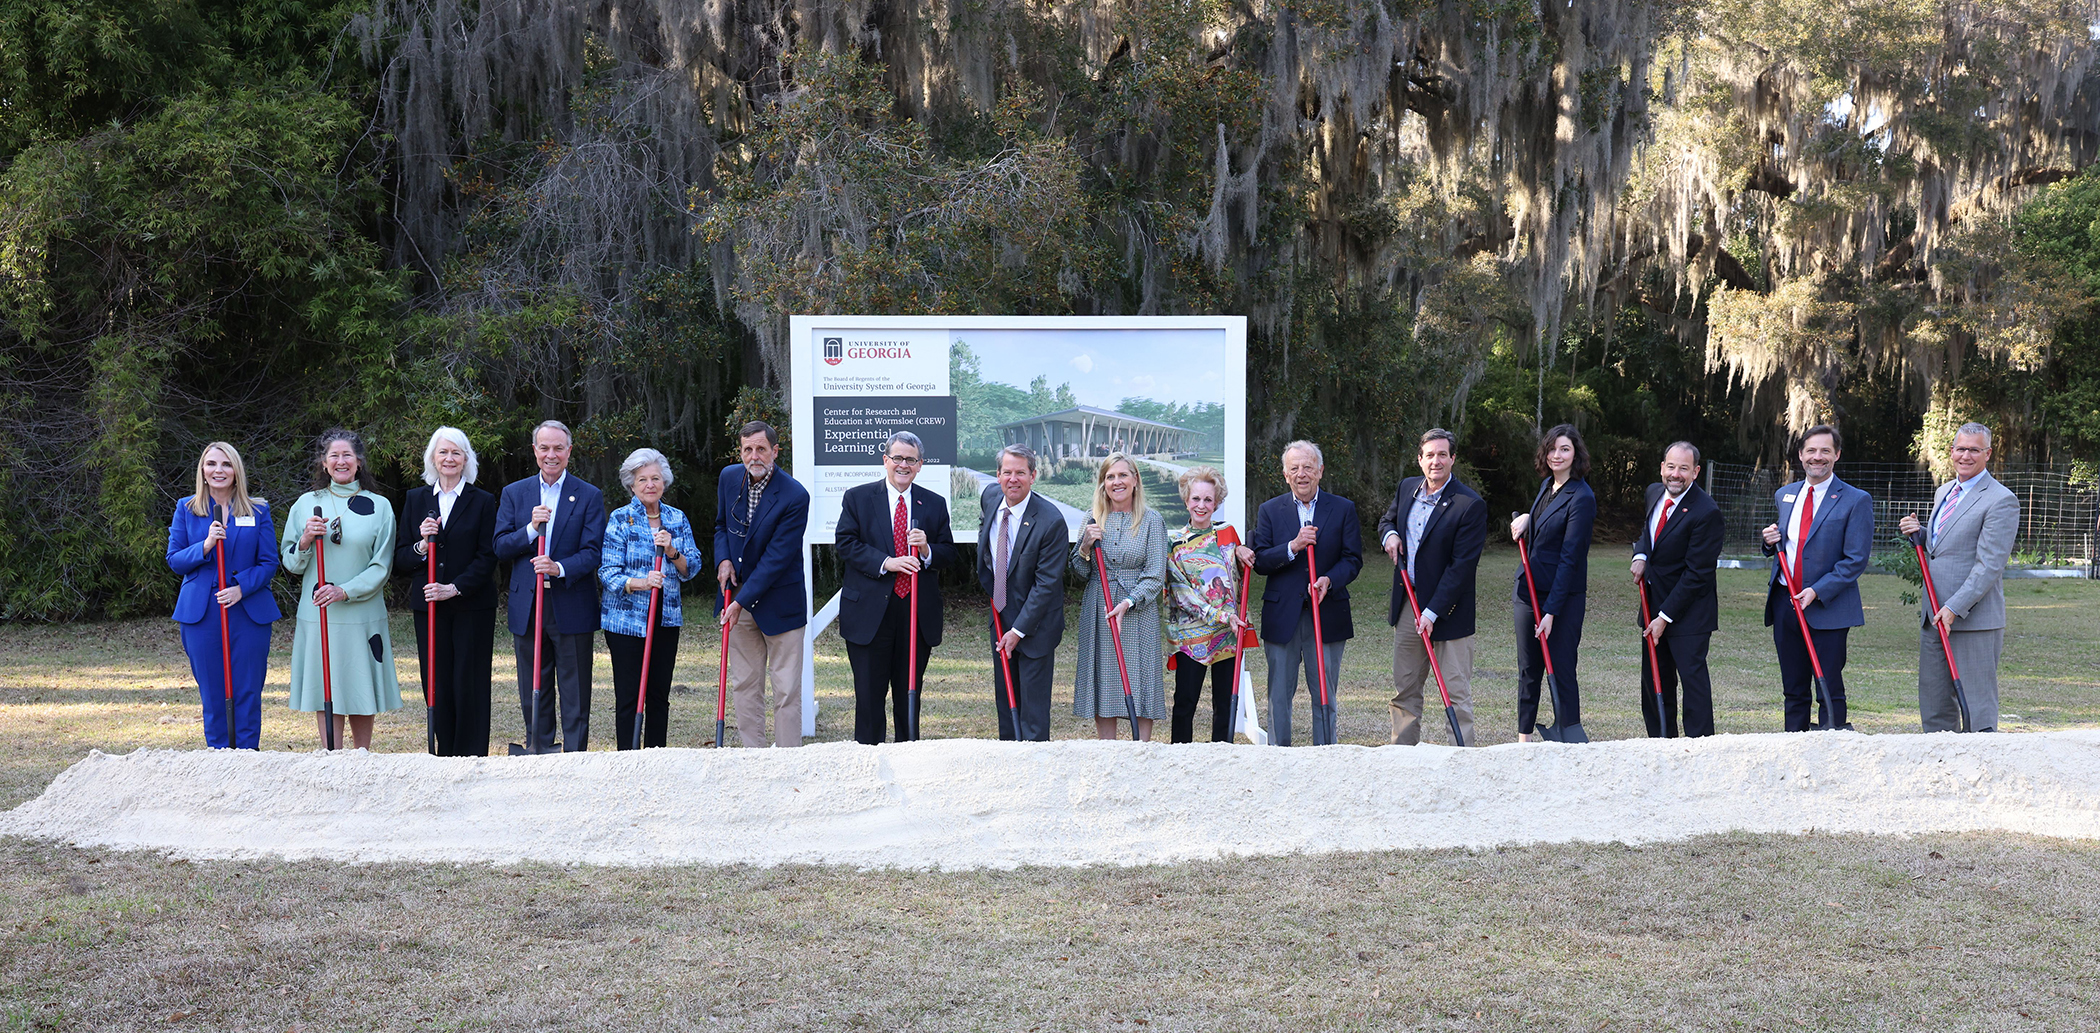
column 633, row 534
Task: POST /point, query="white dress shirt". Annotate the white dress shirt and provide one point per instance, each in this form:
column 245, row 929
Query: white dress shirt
column 550, row 497
column 1810, row 495
column 1305, row 516
column 1014, row 512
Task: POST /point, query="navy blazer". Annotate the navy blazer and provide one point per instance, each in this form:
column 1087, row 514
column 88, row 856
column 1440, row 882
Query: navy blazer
column 866, row 537
column 767, row 550
column 251, row 561
column 574, row 541
column 1445, row 561
column 1680, row 570
column 466, row 547
column 1558, row 541
column 1338, row 554
column 1035, row 570
column 1840, row 538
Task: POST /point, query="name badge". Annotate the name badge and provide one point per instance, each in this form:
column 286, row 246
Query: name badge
column 1786, row 498
column 244, row 521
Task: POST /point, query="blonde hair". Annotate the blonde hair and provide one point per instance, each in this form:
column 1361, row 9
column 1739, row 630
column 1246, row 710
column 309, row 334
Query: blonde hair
column 1137, row 490
column 1201, row 473
column 200, row 499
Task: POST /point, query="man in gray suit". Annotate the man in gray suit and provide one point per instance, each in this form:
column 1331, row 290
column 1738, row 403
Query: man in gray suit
column 1967, row 540
column 1021, row 547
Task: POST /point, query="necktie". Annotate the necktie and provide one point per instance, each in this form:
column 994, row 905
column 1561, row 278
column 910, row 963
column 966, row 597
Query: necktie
column 1808, row 513
column 1946, row 510
column 897, row 534
column 1664, row 518
column 999, row 554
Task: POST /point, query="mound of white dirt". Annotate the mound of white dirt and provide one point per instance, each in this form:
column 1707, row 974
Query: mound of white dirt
column 961, row 803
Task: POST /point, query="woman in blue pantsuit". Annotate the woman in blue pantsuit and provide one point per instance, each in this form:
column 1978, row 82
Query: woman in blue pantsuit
column 220, row 511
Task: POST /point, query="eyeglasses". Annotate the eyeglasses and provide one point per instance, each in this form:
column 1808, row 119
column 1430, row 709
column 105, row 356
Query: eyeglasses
column 905, row 461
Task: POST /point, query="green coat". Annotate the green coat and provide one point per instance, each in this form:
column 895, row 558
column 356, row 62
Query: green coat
column 360, row 653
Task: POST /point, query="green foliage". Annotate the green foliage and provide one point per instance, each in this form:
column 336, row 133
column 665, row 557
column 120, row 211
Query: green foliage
column 156, row 273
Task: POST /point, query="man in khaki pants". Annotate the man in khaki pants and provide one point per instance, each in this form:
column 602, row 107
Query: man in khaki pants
column 1433, row 532
column 760, row 515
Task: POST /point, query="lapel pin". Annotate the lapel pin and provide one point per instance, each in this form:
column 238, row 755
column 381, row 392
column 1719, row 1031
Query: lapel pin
column 572, row 498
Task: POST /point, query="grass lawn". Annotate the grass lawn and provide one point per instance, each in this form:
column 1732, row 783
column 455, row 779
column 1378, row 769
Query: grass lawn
column 1735, row 932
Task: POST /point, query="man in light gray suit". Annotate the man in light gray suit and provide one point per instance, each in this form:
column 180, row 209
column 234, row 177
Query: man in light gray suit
column 1968, row 538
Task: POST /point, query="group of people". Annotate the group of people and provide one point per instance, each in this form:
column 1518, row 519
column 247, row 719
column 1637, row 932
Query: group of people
column 1155, row 600
column 573, row 570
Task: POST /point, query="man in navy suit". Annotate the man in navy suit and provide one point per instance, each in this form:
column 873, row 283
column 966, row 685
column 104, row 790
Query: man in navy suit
column 1825, row 531
column 1022, row 544
column 570, row 515
column 1285, row 526
column 760, row 515
column 1439, row 525
column 888, row 530
column 1680, row 545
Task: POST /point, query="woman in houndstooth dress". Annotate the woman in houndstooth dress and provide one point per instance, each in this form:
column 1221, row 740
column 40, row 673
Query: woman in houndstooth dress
column 1133, row 540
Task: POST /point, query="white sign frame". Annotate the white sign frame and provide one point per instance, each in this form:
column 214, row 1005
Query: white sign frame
column 901, row 333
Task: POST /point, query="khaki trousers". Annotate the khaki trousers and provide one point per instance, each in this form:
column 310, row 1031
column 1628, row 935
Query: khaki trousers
column 755, row 658
column 1412, row 679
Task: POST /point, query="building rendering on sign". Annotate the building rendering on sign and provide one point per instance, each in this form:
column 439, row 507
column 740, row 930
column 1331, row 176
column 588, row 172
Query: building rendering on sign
column 1087, row 431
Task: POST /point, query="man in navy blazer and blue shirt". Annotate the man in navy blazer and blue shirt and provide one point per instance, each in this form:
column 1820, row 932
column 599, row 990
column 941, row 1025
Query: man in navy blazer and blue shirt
column 1825, row 531
column 887, row 529
column 1285, row 526
column 1440, row 526
column 1679, row 547
column 570, row 513
column 760, row 517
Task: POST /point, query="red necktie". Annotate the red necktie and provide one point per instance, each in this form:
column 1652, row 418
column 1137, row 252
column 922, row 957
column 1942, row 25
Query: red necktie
column 1808, row 513
column 1664, row 519
column 897, row 534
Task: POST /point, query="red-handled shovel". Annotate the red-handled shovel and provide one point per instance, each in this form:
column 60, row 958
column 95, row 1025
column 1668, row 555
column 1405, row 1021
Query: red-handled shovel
column 327, row 680
column 1932, row 595
column 225, row 635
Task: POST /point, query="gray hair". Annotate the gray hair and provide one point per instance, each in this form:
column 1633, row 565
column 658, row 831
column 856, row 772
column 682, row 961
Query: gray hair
column 1686, row 445
column 457, row 437
column 553, row 425
column 1302, row 445
column 907, row 438
column 1975, row 430
column 1018, row 451
column 639, row 458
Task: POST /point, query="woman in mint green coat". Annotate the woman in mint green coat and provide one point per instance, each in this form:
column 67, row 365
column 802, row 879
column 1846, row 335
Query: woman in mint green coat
column 357, row 525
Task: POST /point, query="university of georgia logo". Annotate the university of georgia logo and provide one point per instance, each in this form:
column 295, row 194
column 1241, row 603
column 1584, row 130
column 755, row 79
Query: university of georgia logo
column 834, row 350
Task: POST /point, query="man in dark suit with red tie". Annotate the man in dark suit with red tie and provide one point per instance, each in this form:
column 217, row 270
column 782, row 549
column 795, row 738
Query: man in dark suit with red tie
column 1680, row 545
column 888, row 530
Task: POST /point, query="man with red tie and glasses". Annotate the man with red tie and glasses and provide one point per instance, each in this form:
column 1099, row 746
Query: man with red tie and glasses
column 887, row 530
column 1679, row 546
column 1824, row 534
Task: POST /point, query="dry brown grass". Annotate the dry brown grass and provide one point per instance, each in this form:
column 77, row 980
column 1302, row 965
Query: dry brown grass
column 1725, row 933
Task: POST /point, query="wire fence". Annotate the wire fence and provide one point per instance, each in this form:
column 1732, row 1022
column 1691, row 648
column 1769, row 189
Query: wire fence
column 2057, row 509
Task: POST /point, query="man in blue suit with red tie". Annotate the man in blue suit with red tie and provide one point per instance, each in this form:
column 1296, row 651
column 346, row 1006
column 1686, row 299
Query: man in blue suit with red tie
column 1305, row 518
column 1824, row 533
column 570, row 514
column 760, row 516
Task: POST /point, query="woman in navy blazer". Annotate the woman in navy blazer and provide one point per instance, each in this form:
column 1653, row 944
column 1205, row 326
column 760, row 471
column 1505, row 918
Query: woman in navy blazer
column 220, row 515
column 461, row 518
column 1557, row 531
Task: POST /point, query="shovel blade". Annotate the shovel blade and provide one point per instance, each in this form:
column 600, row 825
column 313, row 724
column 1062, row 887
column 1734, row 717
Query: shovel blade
column 518, row 751
column 1551, row 733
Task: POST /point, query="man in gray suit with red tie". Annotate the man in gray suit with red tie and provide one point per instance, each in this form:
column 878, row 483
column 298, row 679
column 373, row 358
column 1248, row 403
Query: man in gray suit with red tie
column 1967, row 541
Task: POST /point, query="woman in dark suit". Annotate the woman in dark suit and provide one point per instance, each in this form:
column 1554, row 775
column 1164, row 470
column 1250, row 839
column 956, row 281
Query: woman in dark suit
column 462, row 520
column 1557, row 531
column 217, row 516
